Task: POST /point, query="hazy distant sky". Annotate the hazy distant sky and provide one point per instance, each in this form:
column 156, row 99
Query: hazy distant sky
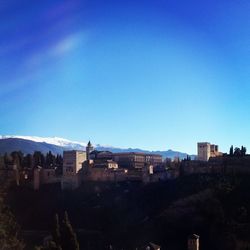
column 154, row 74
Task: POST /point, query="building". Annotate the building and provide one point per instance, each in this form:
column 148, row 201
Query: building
column 103, row 155
column 214, row 150
column 103, row 174
column 193, row 242
column 43, row 176
column 72, row 163
column 151, row 246
column 106, row 164
column 205, row 150
column 154, row 174
column 89, row 149
column 135, row 160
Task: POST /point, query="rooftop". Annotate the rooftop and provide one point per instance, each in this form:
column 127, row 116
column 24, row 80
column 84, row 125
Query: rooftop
column 137, row 153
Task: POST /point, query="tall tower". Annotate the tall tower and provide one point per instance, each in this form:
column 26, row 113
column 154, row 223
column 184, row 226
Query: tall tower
column 89, row 149
column 72, row 163
column 203, row 149
column 193, row 242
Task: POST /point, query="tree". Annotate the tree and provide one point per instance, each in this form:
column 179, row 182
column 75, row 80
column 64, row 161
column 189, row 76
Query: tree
column 17, row 158
column 9, row 229
column 59, row 164
column 38, row 159
column 237, row 152
column 56, row 231
column 51, row 245
column 59, row 160
column 7, row 159
column 231, row 151
column 55, row 242
column 63, row 238
column 243, row 151
column 2, row 165
column 27, row 161
column 42, row 160
column 50, row 159
column 68, row 236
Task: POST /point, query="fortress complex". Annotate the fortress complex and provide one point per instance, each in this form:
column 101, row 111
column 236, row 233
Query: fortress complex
column 93, row 165
column 130, row 160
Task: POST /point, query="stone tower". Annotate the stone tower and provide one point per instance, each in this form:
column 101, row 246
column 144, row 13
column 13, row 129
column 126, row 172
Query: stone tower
column 89, row 149
column 203, row 151
column 193, row 242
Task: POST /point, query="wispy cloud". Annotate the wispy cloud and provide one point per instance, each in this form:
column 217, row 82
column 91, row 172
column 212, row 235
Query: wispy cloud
column 57, row 50
column 37, row 63
column 17, row 83
column 67, row 44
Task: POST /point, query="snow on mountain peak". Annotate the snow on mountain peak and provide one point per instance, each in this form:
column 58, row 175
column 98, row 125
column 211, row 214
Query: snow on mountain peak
column 50, row 140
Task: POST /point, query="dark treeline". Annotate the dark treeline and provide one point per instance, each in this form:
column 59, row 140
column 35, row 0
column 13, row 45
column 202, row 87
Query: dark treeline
column 237, row 151
column 30, row 161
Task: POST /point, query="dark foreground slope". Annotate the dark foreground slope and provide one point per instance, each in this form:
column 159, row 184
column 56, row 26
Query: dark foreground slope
column 128, row 215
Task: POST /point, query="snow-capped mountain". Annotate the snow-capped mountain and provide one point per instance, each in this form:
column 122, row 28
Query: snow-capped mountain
column 61, row 142
column 29, row 144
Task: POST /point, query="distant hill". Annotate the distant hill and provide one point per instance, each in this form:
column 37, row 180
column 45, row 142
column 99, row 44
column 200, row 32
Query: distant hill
column 29, row 144
column 49, row 140
column 26, row 146
column 165, row 154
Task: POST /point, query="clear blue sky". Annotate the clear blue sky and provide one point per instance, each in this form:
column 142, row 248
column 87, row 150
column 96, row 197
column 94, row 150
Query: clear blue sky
column 154, row 74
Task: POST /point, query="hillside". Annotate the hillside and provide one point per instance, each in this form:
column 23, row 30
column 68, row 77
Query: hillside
column 27, row 147
column 127, row 215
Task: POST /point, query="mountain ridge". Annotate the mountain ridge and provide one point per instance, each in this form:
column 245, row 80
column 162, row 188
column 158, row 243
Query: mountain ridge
column 29, row 144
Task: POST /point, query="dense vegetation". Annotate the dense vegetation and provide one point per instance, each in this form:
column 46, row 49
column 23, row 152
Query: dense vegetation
column 29, row 161
column 237, row 151
column 9, row 229
column 129, row 215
